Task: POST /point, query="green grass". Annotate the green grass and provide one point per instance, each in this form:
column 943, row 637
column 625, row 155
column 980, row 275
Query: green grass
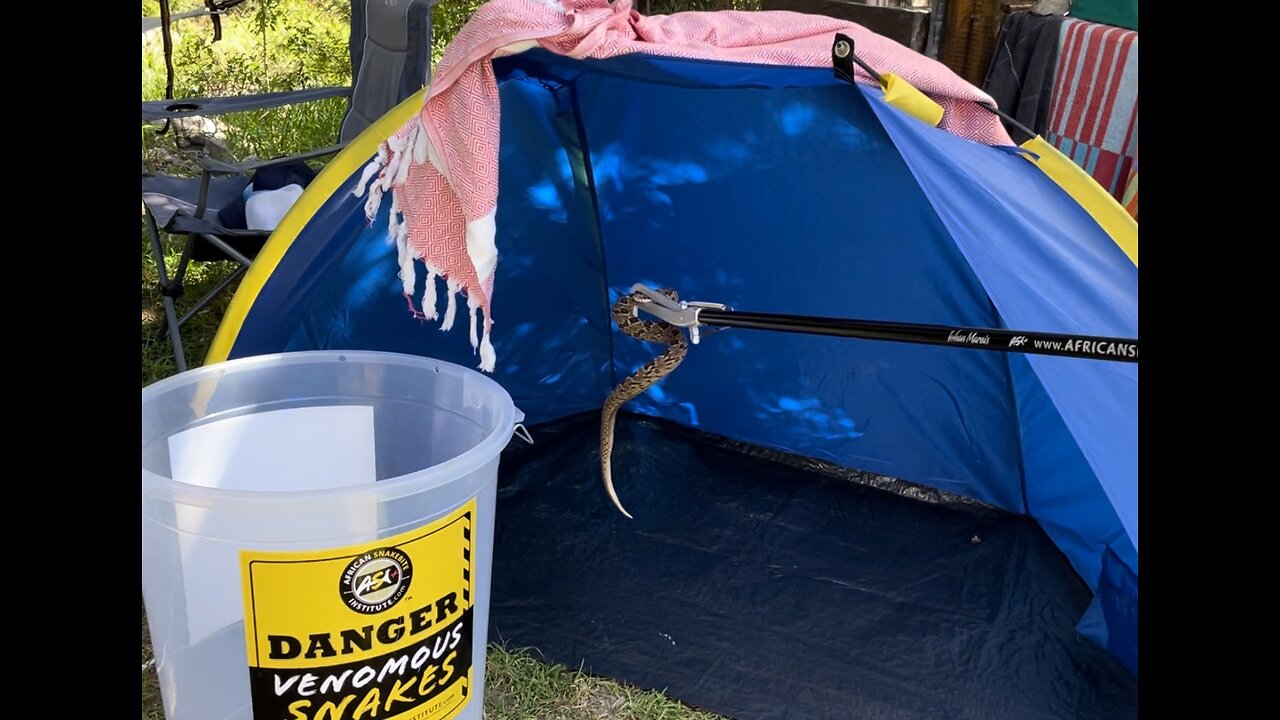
column 520, row 687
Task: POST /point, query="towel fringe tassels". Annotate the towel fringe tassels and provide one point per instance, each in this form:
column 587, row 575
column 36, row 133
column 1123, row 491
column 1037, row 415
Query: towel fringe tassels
column 451, row 310
column 488, row 358
column 369, row 171
column 473, row 305
column 385, row 174
column 421, row 143
column 371, row 181
column 406, row 159
column 397, row 159
column 429, row 310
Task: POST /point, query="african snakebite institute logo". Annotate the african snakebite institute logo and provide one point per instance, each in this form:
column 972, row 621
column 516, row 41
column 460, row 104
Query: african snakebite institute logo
column 375, row 580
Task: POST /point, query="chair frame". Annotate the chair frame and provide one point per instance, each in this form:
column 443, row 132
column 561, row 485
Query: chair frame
column 171, row 285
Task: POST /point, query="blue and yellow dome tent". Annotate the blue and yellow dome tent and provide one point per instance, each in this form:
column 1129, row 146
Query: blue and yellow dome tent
column 787, row 189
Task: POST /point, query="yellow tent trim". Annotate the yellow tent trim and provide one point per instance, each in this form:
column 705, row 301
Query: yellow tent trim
column 339, row 170
column 1105, row 210
column 907, row 98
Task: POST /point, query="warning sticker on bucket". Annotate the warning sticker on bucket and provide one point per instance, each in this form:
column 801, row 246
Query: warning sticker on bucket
column 380, row 630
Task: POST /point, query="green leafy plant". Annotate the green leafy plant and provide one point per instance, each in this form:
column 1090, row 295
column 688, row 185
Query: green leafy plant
column 267, row 46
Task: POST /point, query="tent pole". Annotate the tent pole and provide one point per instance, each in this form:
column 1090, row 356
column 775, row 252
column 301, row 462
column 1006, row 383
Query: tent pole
column 844, row 57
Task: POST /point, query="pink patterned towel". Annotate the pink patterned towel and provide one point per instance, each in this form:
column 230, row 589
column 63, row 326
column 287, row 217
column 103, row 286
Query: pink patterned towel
column 442, row 166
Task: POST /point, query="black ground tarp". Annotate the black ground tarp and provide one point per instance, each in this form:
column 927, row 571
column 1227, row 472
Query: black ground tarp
column 755, row 587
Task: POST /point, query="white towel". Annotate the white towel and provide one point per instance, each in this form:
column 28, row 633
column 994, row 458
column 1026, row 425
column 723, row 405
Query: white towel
column 264, row 210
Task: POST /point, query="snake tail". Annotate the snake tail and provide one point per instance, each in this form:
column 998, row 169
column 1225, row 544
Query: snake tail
column 638, row 382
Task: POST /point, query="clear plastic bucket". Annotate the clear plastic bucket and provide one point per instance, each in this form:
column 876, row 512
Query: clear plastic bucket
column 317, row 535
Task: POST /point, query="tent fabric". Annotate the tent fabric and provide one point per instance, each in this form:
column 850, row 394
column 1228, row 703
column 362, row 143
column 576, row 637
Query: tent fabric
column 441, row 167
column 1013, row 247
column 1119, row 222
column 1112, row 618
column 692, row 174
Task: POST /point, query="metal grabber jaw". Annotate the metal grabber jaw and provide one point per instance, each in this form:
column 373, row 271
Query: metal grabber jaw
column 679, row 313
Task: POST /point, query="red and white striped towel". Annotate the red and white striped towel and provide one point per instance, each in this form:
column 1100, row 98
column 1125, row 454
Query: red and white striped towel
column 442, row 166
column 1093, row 118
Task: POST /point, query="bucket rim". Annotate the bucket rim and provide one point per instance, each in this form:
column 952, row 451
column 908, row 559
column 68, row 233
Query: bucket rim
column 156, row 485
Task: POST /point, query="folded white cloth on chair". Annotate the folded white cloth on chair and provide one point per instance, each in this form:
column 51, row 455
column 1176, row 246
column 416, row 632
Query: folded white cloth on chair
column 265, row 209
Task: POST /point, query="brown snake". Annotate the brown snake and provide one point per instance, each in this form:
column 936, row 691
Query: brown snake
column 624, row 313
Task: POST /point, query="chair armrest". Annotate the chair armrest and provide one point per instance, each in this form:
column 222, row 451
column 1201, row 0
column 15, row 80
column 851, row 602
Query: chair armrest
column 211, row 166
column 170, row 109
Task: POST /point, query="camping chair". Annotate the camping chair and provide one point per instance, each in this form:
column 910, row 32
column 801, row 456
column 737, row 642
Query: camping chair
column 390, row 60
